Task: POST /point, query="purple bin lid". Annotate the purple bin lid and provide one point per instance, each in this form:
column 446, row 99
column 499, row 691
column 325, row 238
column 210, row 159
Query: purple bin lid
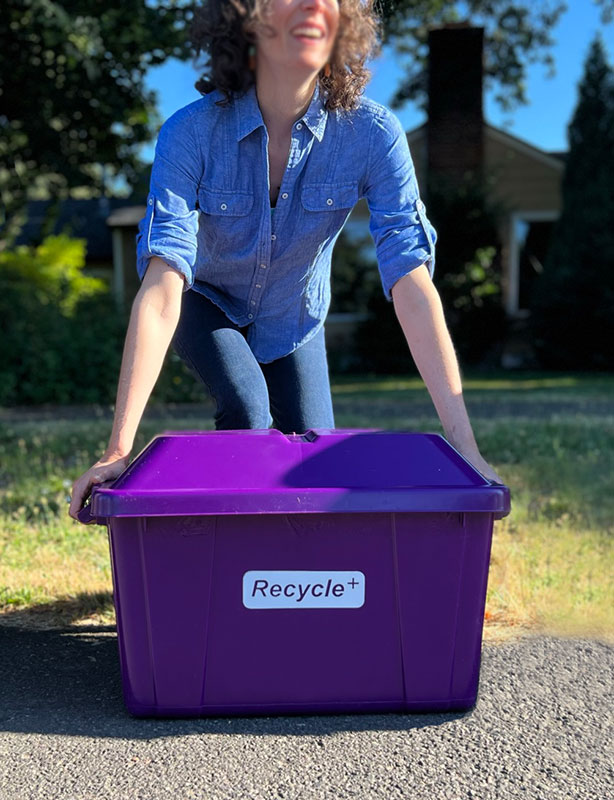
column 320, row 471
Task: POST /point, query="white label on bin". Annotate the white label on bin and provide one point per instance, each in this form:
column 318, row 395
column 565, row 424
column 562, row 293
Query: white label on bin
column 303, row 589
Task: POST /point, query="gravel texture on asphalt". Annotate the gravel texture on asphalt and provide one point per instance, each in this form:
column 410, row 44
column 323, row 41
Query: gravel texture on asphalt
column 543, row 727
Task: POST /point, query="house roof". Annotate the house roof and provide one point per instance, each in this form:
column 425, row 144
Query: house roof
column 555, row 158
column 552, row 159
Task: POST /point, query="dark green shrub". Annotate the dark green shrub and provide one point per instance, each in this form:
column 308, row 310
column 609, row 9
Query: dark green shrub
column 63, row 334
column 380, row 341
column 46, row 324
column 468, row 266
column 467, row 277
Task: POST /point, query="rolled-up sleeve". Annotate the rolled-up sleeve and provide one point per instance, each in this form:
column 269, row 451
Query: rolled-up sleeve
column 170, row 226
column 403, row 235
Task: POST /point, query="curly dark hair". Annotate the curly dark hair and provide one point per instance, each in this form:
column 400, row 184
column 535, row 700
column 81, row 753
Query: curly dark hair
column 224, row 29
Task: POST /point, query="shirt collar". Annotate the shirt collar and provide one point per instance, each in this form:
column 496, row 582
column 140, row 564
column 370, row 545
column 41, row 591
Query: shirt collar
column 249, row 116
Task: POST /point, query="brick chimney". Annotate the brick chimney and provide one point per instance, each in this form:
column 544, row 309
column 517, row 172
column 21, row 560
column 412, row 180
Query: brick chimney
column 455, row 87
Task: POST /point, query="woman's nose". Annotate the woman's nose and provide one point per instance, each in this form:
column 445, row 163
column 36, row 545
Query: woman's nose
column 323, row 5
column 314, row 3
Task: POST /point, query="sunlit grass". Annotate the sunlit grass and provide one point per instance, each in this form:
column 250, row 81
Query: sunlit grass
column 552, row 577
column 493, row 382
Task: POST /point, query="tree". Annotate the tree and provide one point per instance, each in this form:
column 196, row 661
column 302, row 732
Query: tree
column 73, row 107
column 573, row 300
column 516, row 34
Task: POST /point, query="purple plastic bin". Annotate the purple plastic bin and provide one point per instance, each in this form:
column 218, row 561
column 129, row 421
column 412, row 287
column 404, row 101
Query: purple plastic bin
column 259, row 573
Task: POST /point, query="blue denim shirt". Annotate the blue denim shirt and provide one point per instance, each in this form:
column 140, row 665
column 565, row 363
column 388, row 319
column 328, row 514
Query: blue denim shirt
column 208, row 210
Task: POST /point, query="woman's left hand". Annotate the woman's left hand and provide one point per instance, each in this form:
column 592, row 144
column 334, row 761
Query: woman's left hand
column 482, row 466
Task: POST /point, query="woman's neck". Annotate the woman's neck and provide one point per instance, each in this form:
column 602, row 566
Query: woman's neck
column 282, row 103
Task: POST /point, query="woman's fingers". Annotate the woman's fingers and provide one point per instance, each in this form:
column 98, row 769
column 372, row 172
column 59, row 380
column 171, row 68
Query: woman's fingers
column 99, row 473
column 80, row 492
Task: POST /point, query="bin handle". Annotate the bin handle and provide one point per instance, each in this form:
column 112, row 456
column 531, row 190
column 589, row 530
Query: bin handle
column 85, row 514
column 499, row 514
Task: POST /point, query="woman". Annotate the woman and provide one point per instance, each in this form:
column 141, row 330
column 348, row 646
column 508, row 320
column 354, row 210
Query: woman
column 250, row 187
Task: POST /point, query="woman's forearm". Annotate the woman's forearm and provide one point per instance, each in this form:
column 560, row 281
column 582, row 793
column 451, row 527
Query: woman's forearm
column 149, row 334
column 420, row 313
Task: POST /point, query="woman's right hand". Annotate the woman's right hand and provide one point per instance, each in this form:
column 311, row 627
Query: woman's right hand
column 153, row 320
column 105, row 469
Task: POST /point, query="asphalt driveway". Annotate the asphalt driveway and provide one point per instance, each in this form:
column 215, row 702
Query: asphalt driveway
column 543, row 727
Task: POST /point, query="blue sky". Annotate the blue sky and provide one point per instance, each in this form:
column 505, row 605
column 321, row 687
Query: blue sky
column 543, row 122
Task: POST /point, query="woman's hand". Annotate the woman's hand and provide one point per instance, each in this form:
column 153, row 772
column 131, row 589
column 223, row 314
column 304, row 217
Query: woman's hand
column 482, row 466
column 420, row 312
column 106, row 469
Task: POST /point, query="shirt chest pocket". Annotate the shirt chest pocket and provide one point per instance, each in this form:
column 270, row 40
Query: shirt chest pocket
column 327, row 207
column 227, row 219
column 331, row 197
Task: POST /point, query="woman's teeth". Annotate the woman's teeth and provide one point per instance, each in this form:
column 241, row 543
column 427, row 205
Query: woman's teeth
column 310, row 33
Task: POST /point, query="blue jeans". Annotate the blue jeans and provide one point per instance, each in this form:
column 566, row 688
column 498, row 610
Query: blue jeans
column 291, row 393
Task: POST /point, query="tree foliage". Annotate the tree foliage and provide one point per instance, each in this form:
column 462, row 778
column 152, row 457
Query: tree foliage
column 73, row 106
column 573, row 299
column 516, row 33
column 53, row 272
column 59, row 330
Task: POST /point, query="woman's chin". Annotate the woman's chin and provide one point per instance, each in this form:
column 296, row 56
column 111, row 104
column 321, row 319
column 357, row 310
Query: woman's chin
column 310, row 64
column 303, row 69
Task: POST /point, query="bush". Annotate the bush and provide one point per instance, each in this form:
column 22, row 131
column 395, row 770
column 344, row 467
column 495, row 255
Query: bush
column 467, row 277
column 63, row 334
column 52, row 271
column 468, row 266
column 60, row 329
column 380, row 341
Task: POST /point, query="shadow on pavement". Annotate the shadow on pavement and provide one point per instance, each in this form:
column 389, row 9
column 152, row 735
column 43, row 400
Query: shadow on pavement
column 67, row 681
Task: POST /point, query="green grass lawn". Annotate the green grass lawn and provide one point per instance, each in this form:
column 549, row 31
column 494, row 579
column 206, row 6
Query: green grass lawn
column 551, row 437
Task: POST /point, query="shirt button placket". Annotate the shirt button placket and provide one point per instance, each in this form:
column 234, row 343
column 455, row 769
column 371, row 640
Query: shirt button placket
column 263, row 266
column 258, row 286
